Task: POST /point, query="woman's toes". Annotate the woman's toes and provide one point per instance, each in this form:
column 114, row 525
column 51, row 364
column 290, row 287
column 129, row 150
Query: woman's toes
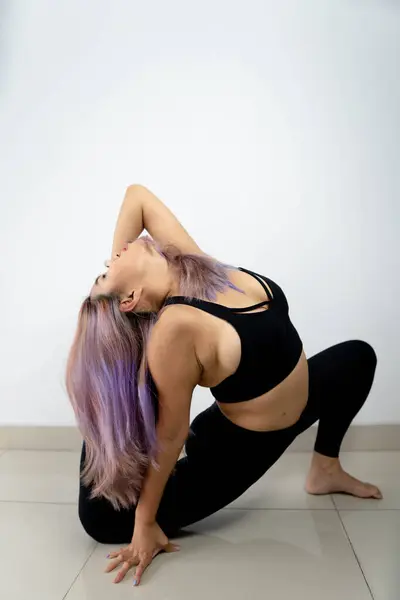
column 340, row 482
column 376, row 492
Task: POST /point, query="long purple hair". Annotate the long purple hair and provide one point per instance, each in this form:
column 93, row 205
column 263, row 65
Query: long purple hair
column 110, row 387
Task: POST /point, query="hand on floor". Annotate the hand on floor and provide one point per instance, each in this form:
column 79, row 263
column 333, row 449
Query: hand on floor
column 147, row 542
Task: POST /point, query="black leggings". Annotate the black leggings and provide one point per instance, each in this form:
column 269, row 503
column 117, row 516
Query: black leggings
column 223, row 460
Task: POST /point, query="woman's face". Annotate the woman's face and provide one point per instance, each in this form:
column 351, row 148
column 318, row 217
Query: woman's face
column 135, row 266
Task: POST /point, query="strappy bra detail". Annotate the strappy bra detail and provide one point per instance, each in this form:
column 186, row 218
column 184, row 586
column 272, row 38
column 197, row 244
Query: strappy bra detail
column 270, row 344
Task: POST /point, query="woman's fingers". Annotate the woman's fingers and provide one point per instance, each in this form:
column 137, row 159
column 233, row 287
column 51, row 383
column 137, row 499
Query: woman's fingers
column 116, row 553
column 145, row 561
column 121, row 574
column 140, row 569
column 124, row 557
column 114, row 564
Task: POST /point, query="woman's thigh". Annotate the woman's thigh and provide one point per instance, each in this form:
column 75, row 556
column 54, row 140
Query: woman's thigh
column 222, row 461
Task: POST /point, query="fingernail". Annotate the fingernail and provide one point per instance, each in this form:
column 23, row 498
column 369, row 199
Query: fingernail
column 108, row 556
column 134, row 582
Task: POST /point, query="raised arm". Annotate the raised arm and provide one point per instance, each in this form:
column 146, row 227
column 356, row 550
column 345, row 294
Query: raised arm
column 140, row 210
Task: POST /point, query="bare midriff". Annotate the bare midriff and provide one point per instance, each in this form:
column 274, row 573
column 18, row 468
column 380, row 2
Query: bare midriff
column 219, row 354
column 277, row 409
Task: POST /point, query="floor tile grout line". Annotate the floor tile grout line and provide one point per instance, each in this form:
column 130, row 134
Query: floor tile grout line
column 310, row 508
column 366, row 509
column 354, row 552
column 275, row 508
column 38, row 502
column 50, row 451
column 80, row 570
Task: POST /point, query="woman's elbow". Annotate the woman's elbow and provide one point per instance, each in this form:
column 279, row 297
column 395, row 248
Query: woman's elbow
column 135, row 188
column 173, row 436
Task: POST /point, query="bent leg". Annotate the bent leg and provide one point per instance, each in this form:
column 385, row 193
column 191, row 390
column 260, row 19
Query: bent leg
column 222, row 461
column 340, row 380
column 343, row 376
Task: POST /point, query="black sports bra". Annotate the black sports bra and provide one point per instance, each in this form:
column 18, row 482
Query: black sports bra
column 270, row 345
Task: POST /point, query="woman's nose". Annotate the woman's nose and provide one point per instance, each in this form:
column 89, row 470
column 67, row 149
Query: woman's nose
column 107, row 263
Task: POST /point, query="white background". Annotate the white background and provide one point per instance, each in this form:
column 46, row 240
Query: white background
column 270, row 128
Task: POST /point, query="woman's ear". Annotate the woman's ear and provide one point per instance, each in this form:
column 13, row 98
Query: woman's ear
column 129, row 303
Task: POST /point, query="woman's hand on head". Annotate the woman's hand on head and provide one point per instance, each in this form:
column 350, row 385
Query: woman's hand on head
column 148, row 541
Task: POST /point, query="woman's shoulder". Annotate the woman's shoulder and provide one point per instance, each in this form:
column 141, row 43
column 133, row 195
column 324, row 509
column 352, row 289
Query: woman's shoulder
column 175, row 324
column 173, row 341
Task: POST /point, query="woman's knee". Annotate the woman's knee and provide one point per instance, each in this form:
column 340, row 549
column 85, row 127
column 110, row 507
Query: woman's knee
column 102, row 523
column 90, row 523
column 363, row 353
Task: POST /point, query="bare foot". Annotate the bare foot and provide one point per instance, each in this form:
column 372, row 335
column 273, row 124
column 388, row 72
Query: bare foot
column 334, row 479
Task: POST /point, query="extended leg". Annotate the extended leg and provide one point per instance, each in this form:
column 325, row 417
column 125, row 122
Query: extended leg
column 340, row 380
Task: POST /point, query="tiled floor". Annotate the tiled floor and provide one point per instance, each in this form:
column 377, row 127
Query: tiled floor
column 275, row 541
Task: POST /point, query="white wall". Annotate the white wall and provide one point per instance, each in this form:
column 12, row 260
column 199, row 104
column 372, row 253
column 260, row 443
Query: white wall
column 270, row 128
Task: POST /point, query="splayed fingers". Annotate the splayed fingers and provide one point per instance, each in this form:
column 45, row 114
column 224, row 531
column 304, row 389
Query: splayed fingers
column 126, row 560
column 123, row 558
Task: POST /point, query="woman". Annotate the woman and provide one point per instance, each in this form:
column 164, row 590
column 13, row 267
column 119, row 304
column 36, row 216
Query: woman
column 163, row 319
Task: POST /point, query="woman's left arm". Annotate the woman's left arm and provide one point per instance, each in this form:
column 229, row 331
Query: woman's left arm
column 174, row 367
column 175, row 370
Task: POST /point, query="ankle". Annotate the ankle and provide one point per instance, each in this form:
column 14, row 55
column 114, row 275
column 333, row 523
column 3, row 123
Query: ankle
column 324, row 463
